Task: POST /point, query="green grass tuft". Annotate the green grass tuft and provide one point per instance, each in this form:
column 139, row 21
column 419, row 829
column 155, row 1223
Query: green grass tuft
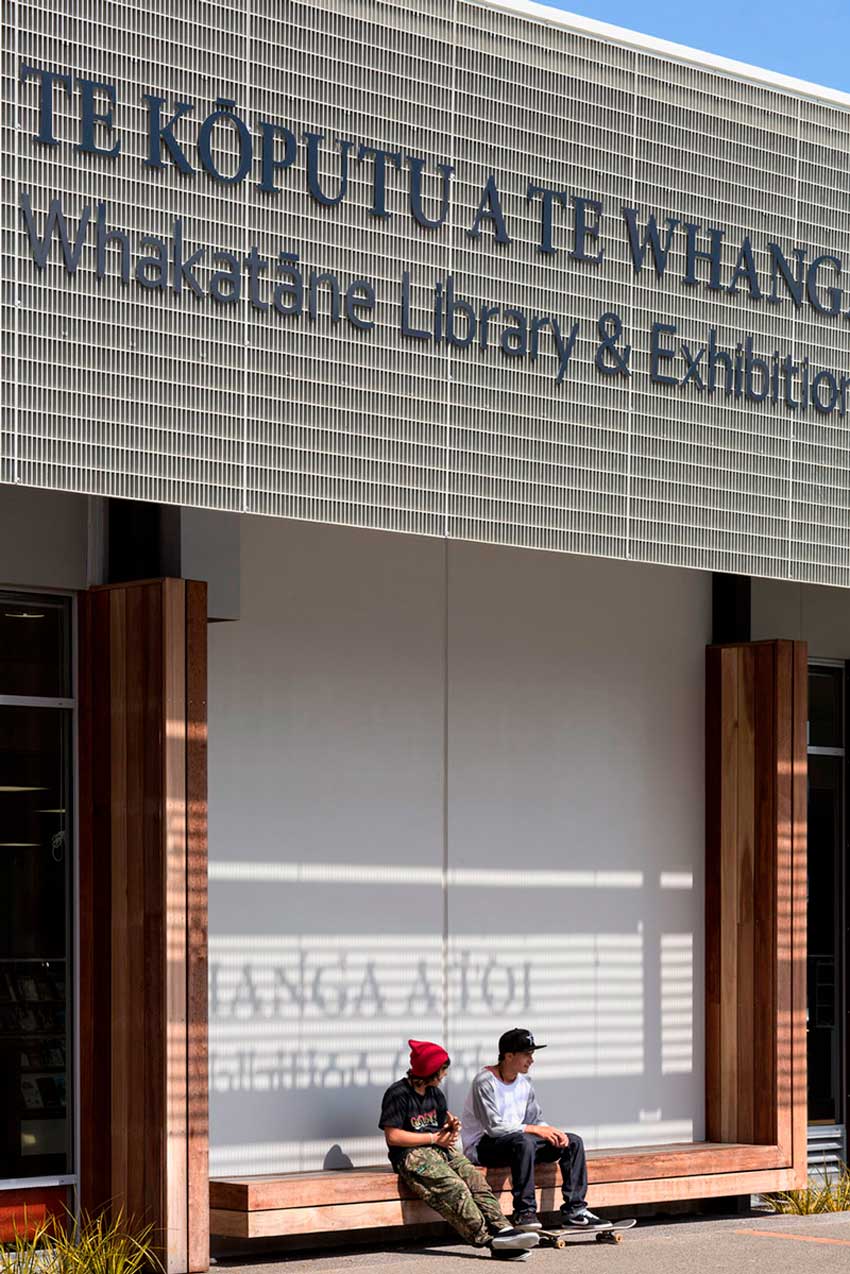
column 94, row 1244
column 830, row 1195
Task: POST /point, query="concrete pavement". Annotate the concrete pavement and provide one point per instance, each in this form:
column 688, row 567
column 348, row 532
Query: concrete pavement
column 751, row 1244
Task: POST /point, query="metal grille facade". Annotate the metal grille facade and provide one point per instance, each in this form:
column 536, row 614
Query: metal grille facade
column 115, row 390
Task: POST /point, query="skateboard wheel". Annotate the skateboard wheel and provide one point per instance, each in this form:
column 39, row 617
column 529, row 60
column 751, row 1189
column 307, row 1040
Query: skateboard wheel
column 560, row 1243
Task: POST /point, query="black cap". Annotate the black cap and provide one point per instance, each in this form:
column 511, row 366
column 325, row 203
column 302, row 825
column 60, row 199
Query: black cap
column 518, row 1041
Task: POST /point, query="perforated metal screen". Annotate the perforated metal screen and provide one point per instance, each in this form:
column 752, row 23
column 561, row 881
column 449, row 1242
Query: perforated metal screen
column 117, row 389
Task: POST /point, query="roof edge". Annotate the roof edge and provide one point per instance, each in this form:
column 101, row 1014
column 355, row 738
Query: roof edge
column 665, row 48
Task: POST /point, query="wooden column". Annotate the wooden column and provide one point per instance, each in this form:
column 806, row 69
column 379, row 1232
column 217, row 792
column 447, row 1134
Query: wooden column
column 756, row 711
column 143, row 910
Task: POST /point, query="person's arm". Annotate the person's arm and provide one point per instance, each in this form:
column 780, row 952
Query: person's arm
column 534, row 1122
column 445, row 1136
column 485, row 1106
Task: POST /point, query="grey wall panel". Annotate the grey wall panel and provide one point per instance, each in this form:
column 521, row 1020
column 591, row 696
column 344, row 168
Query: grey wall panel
column 43, row 538
column 803, row 612
column 396, row 852
column 326, row 839
column 209, row 550
column 117, row 390
column 575, row 829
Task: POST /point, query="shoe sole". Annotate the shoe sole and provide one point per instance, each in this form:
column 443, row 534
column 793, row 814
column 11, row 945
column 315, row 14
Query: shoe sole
column 517, row 1243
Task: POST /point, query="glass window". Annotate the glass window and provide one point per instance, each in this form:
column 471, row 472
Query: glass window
column 826, row 884
column 34, row 646
column 36, row 876
column 826, row 707
column 826, row 777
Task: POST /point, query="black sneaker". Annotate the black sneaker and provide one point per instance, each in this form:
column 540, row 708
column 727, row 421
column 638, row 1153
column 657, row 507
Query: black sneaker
column 511, row 1256
column 527, row 1221
column 584, row 1219
column 513, row 1240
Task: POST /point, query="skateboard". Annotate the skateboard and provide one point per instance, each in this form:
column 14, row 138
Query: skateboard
column 560, row 1238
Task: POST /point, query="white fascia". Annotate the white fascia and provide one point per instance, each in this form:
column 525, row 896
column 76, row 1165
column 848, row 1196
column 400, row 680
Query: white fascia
column 665, row 49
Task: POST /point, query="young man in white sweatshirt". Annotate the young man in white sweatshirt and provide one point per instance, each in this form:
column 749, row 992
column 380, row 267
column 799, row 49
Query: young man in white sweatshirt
column 503, row 1127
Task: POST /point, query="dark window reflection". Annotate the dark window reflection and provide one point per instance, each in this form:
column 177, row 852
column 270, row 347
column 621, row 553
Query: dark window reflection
column 826, row 716
column 34, row 646
column 824, row 971
column 35, row 972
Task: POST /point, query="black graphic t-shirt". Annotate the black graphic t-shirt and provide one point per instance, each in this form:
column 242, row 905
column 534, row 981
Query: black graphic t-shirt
column 404, row 1108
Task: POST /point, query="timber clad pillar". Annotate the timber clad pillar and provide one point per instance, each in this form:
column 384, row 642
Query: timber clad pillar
column 756, row 714
column 143, row 910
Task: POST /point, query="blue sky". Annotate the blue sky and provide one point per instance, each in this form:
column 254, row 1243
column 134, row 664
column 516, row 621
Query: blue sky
column 809, row 40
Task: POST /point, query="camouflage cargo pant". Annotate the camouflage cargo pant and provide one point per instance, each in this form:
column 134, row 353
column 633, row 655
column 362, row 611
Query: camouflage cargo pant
column 452, row 1186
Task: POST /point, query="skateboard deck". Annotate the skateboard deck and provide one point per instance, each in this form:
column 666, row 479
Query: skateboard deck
column 561, row 1237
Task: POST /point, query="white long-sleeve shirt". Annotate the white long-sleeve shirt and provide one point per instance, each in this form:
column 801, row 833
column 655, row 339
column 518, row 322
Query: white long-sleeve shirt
column 494, row 1108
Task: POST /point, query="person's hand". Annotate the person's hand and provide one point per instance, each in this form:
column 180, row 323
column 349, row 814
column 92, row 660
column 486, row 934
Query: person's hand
column 446, row 1137
column 453, row 1122
column 553, row 1135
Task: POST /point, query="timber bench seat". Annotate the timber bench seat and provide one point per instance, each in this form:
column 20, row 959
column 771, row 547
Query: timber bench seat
column 375, row 1198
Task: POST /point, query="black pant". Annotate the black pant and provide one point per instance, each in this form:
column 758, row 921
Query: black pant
column 520, row 1150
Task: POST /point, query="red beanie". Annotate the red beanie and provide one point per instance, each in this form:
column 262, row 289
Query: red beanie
column 426, row 1059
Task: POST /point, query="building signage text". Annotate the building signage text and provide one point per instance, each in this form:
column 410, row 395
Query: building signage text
column 219, row 145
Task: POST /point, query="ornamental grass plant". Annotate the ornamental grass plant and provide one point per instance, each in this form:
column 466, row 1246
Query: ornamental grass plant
column 92, row 1244
column 830, row 1195
column 28, row 1253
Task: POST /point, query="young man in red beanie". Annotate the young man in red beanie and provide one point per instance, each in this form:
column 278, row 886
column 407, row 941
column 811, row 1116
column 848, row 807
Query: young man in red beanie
column 422, row 1137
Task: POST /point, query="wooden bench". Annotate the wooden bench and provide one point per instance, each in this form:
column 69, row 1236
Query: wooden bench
column 368, row 1198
